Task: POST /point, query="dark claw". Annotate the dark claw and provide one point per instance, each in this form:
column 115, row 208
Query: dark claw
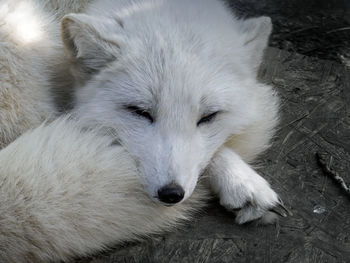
column 281, row 210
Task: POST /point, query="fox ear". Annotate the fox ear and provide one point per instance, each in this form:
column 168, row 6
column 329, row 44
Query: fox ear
column 256, row 35
column 89, row 43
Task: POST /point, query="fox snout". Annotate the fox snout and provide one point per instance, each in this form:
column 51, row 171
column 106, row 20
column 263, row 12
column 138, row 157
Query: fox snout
column 171, row 194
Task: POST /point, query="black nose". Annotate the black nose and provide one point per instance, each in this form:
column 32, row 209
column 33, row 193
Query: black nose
column 171, row 194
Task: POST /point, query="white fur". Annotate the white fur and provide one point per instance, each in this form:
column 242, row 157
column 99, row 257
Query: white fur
column 62, row 7
column 66, row 192
column 179, row 61
column 26, row 48
column 240, row 187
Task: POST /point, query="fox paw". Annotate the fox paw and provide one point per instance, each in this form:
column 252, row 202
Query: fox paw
column 242, row 190
column 254, row 202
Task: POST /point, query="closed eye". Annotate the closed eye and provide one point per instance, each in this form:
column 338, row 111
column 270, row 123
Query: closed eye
column 208, row 118
column 140, row 112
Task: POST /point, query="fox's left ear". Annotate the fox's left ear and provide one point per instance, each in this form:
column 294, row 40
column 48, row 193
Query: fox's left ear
column 90, row 43
column 256, row 33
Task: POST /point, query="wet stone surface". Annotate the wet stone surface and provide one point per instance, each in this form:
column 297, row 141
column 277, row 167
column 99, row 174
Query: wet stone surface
column 315, row 96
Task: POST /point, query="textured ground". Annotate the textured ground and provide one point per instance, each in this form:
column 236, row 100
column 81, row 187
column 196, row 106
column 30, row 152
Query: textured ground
column 317, row 28
column 315, row 119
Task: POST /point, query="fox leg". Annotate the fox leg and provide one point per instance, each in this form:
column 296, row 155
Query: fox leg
column 240, row 187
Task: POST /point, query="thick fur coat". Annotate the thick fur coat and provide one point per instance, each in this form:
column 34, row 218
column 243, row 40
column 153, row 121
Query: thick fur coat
column 27, row 46
column 67, row 188
column 66, row 192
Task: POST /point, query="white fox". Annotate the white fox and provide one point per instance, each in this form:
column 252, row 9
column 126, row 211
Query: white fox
column 173, row 81
column 176, row 82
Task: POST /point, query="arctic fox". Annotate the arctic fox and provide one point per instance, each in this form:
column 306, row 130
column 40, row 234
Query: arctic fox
column 173, row 81
column 176, row 82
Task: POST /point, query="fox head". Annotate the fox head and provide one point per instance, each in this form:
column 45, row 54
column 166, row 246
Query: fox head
column 171, row 96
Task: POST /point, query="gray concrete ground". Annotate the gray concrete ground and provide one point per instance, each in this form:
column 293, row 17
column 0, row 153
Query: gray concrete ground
column 315, row 119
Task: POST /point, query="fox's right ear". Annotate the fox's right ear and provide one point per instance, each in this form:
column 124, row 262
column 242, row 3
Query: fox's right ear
column 90, row 43
column 256, row 33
